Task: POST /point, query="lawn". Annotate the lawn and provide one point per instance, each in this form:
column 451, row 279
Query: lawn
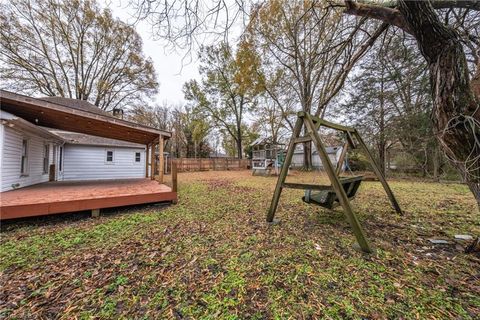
column 212, row 256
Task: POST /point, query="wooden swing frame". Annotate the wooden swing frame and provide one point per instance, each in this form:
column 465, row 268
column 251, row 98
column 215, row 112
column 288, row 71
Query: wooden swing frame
column 354, row 140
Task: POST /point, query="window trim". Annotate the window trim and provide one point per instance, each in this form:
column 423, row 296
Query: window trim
column 46, row 158
column 106, row 156
column 25, row 167
column 139, row 157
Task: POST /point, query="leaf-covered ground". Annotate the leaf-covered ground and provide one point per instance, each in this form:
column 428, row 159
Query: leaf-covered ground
column 212, row 256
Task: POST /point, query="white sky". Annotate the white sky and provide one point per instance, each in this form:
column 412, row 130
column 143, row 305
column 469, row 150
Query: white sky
column 172, row 73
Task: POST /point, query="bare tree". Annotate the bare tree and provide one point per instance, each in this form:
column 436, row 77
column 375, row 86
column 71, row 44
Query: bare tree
column 187, row 23
column 272, row 119
column 225, row 93
column 73, row 49
column 157, row 116
column 314, row 44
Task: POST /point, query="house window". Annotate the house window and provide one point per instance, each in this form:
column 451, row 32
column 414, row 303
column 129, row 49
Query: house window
column 46, row 157
column 109, row 157
column 24, row 164
column 137, row 157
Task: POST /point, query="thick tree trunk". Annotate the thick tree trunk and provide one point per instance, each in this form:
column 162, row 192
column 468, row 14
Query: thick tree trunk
column 455, row 107
column 475, row 188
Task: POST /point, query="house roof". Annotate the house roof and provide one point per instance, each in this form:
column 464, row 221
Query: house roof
column 86, row 139
column 263, row 140
column 74, row 116
column 77, row 104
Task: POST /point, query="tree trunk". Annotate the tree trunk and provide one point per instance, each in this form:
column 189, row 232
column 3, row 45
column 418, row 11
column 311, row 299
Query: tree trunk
column 455, row 108
column 475, row 188
column 307, row 155
column 382, row 143
column 239, row 147
column 436, row 163
column 382, row 156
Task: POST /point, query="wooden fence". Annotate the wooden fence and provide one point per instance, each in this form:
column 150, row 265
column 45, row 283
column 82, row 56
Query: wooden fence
column 206, row 164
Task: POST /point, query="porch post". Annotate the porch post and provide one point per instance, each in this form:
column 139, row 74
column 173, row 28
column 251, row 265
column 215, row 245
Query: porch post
column 161, row 159
column 174, row 176
column 147, row 159
column 152, row 161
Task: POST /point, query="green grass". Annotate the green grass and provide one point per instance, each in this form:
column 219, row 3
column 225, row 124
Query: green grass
column 212, row 256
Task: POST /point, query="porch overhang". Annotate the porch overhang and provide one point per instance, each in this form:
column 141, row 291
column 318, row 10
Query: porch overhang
column 52, row 115
column 17, row 123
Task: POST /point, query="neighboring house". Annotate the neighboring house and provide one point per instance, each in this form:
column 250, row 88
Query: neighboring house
column 267, row 157
column 298, row 160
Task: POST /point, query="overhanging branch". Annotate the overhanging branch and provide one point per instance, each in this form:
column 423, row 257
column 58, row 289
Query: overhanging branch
column 389, row 15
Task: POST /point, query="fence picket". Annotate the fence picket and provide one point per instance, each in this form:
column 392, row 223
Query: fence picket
column 207, row 164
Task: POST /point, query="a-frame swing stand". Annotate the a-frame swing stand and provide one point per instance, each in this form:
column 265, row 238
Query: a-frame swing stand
column 354, row 140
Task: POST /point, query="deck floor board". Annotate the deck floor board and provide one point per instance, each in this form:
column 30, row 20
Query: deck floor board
column 69, row 196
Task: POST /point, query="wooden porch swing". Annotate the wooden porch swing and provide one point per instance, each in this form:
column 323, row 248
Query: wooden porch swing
column 342, row 189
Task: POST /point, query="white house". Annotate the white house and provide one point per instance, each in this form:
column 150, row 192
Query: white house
column 28, row 151
column 75, row 157
column 31, row 154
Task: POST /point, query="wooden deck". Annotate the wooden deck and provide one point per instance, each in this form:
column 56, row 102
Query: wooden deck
column 70, row 196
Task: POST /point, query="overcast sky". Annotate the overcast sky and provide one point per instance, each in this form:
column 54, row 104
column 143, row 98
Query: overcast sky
column 172, row 73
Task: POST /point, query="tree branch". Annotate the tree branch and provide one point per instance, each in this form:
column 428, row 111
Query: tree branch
column 389, row 15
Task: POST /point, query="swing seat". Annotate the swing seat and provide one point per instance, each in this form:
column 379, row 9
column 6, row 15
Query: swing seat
column 328, row 198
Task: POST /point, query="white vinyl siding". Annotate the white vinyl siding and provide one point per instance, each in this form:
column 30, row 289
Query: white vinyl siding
column 82, row 162
column 11, row 161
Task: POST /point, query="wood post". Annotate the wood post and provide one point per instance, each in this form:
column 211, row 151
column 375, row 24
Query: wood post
column 95, row 213
column 147, row 158
column 284, row 171
column 337, row 186
column 161, row 159
column 152, row 161
column 51, row 172
column 174, row 176
column 378, row 173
